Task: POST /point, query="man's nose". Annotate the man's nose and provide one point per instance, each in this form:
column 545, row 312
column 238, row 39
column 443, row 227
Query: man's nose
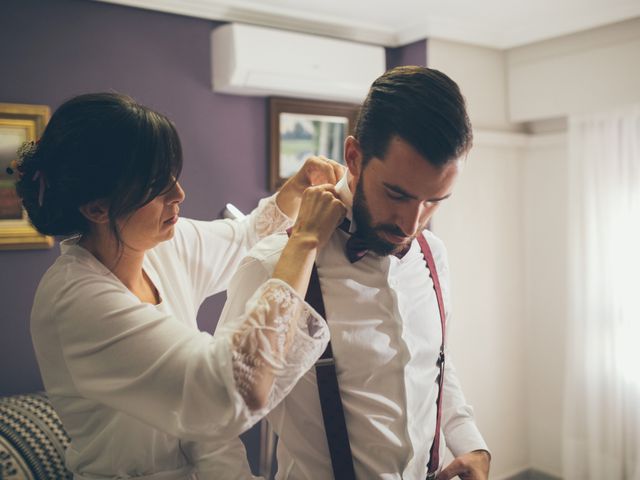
column 410, row 220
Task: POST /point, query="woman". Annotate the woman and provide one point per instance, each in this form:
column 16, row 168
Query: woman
column 141, row 392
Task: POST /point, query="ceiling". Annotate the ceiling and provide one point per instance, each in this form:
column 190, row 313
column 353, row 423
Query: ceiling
column 493, row 23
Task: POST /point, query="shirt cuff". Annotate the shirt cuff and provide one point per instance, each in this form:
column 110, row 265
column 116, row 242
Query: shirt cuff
column 464, row 438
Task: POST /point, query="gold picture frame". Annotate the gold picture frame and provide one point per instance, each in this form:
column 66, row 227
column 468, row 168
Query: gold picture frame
column 19, row 123
column 299, row 128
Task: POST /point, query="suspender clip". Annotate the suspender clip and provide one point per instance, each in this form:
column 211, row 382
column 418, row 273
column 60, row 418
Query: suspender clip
column 325, row 362
column 431, row 476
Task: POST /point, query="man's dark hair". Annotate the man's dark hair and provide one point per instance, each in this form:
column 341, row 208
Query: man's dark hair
column 422, row 106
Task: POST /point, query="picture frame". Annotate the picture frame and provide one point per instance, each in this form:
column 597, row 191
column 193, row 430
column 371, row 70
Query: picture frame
column 300, row 128
column 19, row 123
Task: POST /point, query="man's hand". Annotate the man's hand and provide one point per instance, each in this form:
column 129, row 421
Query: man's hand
column 315, row 171
column 470, row 466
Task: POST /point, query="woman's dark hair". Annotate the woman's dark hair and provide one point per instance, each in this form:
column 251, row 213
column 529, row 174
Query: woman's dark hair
column 422, row 106
column 97, row 146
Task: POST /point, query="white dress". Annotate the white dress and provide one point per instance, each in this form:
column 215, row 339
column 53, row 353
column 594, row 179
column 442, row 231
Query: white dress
column 140, row 390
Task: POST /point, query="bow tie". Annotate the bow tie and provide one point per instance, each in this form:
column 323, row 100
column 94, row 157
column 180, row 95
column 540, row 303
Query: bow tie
column 357, row 247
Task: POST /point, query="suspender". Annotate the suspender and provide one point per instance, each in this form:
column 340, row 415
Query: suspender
column 434, row 453
column 335, row 426
column 329, row 391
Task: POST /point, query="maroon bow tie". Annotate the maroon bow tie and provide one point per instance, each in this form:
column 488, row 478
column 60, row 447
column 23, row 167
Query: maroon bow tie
column 357, row 247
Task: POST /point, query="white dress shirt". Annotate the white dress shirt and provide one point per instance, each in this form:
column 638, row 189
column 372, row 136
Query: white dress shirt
column 385, row 332
column 143, row 393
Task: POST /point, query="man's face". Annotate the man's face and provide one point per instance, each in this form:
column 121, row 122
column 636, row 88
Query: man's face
column 395, row 197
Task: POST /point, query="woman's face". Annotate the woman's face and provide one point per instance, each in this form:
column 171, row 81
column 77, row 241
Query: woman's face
column 153, row 223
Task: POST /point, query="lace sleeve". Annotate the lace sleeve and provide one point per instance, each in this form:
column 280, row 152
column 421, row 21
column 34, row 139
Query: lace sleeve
column 281, row 338
column 269, row 218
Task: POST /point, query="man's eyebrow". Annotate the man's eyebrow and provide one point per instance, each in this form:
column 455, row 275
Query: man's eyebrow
column 399, row 190
column 404, row 193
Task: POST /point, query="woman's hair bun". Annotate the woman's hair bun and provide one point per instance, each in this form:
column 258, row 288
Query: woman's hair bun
column 99, row 146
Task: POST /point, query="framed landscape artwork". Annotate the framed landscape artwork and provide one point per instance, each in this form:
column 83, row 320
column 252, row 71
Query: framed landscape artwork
column 18, row 124
column 299, row 129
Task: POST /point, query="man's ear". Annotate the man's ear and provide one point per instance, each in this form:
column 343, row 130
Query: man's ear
column 96, row 211
column 353, row 156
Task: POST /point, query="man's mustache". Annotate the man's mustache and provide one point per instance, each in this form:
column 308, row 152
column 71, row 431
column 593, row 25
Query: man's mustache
column 392, row 229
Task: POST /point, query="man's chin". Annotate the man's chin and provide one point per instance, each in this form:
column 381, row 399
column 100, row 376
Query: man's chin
column 384, row 248
column 392, row 239
column 383, row 244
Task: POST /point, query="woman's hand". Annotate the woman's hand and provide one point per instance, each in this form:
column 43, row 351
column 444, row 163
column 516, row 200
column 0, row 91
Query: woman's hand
column 315, row 171
column 321, row 211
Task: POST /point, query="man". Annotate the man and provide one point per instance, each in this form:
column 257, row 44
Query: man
column 381, row 303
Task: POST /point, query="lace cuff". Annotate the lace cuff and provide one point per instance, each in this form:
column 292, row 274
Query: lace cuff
column 278, row 343
column 269, row 218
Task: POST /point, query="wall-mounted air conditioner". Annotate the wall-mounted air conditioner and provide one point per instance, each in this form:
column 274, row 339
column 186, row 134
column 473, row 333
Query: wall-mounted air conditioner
column 249, row 60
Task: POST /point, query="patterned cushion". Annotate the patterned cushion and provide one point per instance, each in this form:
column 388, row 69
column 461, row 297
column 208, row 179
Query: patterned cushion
column 32, row 439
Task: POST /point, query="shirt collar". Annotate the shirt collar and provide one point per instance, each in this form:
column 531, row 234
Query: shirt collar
column 70, row 247
column 68, row 243
column 346, row 195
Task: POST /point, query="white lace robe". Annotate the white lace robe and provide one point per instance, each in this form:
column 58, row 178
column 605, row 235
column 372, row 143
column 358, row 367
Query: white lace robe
column 140, row 390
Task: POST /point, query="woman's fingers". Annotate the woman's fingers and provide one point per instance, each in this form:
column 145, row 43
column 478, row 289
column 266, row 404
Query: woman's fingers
column 320, row 212
column 337, row 170
column 319, row 170
column 316, row 170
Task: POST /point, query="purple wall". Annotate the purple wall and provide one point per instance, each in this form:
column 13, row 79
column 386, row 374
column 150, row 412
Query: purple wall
column 411, row 54
column 53, row 50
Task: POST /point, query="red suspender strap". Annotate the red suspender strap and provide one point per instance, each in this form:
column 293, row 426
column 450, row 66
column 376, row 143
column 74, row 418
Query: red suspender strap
column 434, row 454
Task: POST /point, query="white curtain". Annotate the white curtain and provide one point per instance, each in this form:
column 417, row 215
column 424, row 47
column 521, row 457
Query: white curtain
column 602, row 397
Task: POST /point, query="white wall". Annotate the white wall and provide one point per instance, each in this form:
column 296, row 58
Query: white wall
column 590, row 71
column 481, row 74
column 544, row 217
column 482, row 227
column 505, row 227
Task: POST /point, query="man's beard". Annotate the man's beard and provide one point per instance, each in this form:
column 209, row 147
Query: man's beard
column 369, row 232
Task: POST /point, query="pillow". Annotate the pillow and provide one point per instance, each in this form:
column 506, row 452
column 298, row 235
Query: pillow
column 32, row 439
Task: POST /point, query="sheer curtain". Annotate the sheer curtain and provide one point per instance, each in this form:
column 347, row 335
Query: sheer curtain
column 602, row 397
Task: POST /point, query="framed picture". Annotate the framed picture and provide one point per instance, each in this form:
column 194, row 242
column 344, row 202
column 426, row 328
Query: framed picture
column 18, row 124
column 299, row 129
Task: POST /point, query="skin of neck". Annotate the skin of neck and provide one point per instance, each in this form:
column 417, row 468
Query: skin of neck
column 123, row 261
